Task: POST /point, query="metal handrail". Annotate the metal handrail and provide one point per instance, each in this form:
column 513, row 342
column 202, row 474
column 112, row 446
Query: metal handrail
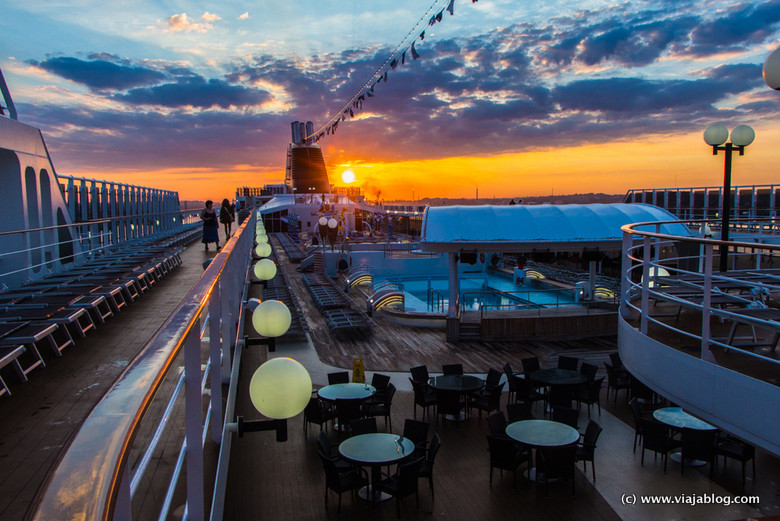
column 650, row 241
column 91, row 480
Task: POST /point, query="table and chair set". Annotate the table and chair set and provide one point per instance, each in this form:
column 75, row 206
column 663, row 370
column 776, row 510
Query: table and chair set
column 353, row 408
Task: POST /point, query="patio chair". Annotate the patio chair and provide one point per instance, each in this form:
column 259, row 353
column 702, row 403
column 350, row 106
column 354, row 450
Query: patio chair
column 526, row 391
column 519, row 411
column 340, row 377
column 420, row 374
column 424, row 396
column 569, row 363
column 324, row 446
column 340, row 481
column 489, row 402
column 363, row 426
column 346, row 411
column 616, row 380
column 530, row 365
column 316, row 412
column 382, row 408
column 589, row 394
column 448, row 403
column 588, row 371
column 403, row 483
column 698, row 445
column 505, row 454
column 554, row 463
column 566, row 415
column 417, row 431
column 586, row 450
column 379, row 382
column 497, row 424
column 492, row 380
column 638, row 414
column 511, row 382
column 448, row 369
column 656, row 437
column 560, row 396
column 426, row 469
column 732, row 447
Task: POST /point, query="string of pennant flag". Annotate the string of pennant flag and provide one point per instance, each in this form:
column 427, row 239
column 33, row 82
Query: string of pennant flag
column 400, row 55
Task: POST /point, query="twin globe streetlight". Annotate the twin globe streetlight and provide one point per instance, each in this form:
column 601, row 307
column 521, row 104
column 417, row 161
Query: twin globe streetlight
column 717, row 135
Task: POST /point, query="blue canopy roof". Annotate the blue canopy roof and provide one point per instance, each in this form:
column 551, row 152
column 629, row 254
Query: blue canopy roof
column 524, row 227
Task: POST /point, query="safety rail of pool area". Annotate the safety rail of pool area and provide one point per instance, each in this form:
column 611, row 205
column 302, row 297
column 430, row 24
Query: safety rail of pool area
column 99, row 472
column 679, row 319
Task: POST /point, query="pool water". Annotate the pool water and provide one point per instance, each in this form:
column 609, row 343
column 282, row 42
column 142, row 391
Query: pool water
column 429, row 294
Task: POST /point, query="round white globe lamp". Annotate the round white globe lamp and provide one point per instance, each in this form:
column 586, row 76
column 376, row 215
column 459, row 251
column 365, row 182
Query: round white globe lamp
column 271, row 318
column 280, row 388
column 264, row 269
column 323, row 221
column 332, row 223
column 261, row 238
column 716, row 134
column 742, row 135
column 772, row 70
column 262, row 250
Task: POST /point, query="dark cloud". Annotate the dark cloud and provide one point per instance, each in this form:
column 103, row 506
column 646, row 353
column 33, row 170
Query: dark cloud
column 480, row 95
column 195, row 91
column 745, row 23
column 100, row 73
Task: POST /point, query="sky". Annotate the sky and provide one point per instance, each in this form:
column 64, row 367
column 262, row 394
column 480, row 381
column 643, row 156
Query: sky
column 507, row 98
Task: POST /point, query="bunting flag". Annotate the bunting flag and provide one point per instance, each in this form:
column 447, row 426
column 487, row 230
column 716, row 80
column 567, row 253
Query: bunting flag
column 356, row 102
column 415, row 55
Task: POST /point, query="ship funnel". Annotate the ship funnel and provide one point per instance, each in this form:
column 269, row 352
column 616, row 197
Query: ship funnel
column 296, row 132
column 301, row 132
column 309, row 132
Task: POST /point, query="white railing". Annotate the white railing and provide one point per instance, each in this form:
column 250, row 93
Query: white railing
column 101, row 470
column 643, row 261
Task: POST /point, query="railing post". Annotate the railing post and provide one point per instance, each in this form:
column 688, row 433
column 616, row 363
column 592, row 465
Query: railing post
column 215, row 314
column 645, row 285
column 625, row 270
column 706, row 354
column 193, row 426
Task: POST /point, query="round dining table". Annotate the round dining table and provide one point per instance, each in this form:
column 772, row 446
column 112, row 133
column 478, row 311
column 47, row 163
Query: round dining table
column 347, row 391
column 457, row 383
column 676, row 418
column 375, row 450
column 541, row 434
column 558, row 377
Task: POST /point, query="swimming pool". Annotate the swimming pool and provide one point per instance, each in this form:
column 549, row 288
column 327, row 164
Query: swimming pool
column 429, row 294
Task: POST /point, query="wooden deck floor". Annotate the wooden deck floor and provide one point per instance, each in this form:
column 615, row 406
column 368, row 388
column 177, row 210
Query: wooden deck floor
column 269, row 480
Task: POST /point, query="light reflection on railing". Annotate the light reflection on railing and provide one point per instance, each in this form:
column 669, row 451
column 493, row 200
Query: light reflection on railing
column 103, row 444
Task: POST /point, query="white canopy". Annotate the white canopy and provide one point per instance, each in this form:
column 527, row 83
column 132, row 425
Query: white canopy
column 538, row 227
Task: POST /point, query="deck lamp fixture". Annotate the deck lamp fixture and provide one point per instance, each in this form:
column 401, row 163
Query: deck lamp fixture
column 264, row 269
column 716, row 136
column 271, row 319
column 279, row 389
column 261, row 238
column 262, row 250
column 772, row 70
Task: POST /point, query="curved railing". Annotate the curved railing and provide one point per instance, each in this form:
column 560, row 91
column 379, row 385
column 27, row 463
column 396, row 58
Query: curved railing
column 679, row 319
column 93, row 478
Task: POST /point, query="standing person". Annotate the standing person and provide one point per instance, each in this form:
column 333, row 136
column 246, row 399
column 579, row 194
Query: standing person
column 210, row 225
column 227, row 216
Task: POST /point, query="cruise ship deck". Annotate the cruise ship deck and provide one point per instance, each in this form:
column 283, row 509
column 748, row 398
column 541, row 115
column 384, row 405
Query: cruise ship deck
column 270, row 480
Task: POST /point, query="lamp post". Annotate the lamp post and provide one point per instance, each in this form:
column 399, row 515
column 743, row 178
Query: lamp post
column 715, row 136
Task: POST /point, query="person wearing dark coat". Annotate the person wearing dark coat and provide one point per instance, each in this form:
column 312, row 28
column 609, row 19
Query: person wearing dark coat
column 210, row 225
column 226, row 216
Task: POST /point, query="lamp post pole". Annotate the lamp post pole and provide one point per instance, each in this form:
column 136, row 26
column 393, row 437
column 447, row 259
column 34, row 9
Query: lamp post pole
column 716, row 136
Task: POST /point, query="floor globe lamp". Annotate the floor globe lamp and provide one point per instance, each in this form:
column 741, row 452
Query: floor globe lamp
column 717, row 136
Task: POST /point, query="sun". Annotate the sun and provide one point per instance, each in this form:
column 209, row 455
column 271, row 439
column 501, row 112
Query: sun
column 348, row 176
